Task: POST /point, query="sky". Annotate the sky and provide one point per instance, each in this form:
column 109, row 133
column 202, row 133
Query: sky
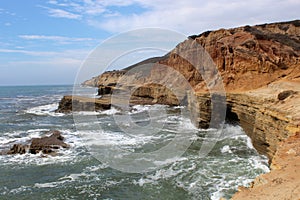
column 45, row 42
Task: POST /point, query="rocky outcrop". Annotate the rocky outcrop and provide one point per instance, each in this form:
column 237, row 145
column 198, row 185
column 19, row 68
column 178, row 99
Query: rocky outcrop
column 145, row 95
column 267, row 118
column 77, row 103
column 46, row 145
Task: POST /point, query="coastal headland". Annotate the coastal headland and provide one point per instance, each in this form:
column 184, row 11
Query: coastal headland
column 260, row 70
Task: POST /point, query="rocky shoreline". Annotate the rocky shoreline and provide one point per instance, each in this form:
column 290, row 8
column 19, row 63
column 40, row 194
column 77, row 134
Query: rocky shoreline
column 260, row 70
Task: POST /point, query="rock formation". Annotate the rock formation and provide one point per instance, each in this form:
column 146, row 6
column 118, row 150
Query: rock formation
column 246, row 58
column 259, row 67
column 46, row 145
column 78, row 103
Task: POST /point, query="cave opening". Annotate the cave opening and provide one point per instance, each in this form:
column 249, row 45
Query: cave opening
column 231, row 117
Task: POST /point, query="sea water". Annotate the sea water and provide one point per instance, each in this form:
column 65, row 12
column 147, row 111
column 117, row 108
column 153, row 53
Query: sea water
column 28, row 112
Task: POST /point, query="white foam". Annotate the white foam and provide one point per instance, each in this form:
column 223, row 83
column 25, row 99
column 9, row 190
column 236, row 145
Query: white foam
column 226, row 149
column 86, row 113
column 216, row 195
column 20, row 136
column 46, row 185
column 142, row 108
column 111, row 111
column 45, row 110
column 104, row 138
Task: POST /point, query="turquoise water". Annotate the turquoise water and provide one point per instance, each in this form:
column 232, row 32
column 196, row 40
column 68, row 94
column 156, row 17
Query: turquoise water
column 28, row 112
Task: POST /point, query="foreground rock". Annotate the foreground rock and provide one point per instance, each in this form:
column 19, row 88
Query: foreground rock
column 18, row 149
column 49, row 144
column 46, row 145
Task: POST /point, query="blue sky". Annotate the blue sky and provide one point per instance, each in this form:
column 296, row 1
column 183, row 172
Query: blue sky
column 45, row 41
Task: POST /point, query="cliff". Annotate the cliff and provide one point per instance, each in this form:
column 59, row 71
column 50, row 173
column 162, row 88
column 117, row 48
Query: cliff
column 268, row 115
column 247, row 58
column 260, row 71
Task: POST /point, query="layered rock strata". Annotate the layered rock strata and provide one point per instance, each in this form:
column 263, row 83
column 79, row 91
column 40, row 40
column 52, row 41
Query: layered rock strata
column 266, row 117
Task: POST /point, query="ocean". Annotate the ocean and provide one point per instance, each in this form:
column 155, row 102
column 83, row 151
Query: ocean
column 27, row 112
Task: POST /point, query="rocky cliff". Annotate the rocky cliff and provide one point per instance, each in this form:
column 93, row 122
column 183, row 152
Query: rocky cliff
column 259, row 67
column 268, row 115
column 247, row 58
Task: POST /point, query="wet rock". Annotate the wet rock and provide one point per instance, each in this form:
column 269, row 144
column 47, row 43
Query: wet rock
column 18, row 149
column 48, row 144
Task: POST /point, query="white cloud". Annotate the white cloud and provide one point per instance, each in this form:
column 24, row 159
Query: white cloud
column 196, row 16
column 63, row 62
column 189, row 16
column 31, row 53
column 59, row 13
column 76, row 53
column 54, row 38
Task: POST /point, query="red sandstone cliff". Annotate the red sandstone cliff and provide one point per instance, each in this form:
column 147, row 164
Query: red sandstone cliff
column 247, row 57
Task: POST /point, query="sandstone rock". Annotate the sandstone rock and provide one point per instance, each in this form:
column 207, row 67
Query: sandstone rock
column 110, row 77
column 246, row 57
column 76, row 103
column 265, row 120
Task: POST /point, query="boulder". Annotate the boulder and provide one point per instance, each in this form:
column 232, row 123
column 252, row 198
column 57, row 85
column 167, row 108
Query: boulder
column 48, row 144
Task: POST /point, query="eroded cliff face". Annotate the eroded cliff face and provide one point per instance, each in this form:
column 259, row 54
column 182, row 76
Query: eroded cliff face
column 269, row 115
column 247, row 57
